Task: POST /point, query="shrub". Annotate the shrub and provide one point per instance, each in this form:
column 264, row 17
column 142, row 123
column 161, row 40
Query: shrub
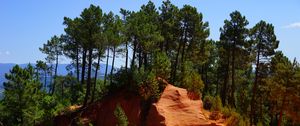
column 234, row 118
column 217, row 104
column 259, row 124
column 212, row 103
column 161, row 65
column 190, row 79
column 227, row 112
column 149, row 88
column 120, row 116
column 208, row 101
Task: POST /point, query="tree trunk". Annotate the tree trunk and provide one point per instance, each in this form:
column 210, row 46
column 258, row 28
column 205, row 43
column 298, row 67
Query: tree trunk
column 56, row 65
column 96, row 75
column 106, row 67
column 133, row 54
column 176, row 63
column 51, row 78
column 281, row 110
column 233, row 76
column 45, row 79
column 182, row 54
column 140, row 56
column 77, row 63
column 112, row 64
column 255, row 88
column 145, row 60
column 83, row 66
column 126, row 60
column 88, row 84
column 55, row 73
column 226, row 78
column 62, row 90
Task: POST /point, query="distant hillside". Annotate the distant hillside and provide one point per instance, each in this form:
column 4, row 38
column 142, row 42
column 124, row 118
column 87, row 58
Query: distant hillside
column 5, row 68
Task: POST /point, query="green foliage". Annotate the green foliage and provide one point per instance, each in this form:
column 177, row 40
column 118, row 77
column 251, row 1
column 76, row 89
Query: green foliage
column 212, row 103
column 190, row 79
column 147, row 84
column 120, row 116
column 208, row 102
column 217, row 105
column 259, row 124
column 161, row 65
column 233, row 118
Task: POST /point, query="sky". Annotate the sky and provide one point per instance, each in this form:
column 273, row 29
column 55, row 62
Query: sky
column 26, row 24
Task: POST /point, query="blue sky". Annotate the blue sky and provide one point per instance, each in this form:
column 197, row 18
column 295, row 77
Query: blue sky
column 26, row 24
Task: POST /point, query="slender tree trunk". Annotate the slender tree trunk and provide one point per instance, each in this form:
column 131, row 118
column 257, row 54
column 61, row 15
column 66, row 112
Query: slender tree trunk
column 56, row 65
column 126, row 60
column 133, row 54
column 217, row 83
column 140, row 56
column 224, row 89
column 167, row 48
column 145, row 60
column 233, row 76
column 176, row 63
column 45, row 79
column 255, row 88
column 51, row 78
column 55, row 73
column 88, row 84
column 83, row 66
column 77, row 63
column 183, row 50
column 161, row 46
column 96, row 75
column 112, row 64
column 62, row 90
column 182, row 54
column 281, row 110
column 106, row 67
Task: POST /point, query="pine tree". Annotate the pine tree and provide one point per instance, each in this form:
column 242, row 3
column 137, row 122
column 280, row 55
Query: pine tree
column 21, row 97
column 264, row 44
column 233, row 35
column 125, row 14
column 40, row 65
column 53, row 49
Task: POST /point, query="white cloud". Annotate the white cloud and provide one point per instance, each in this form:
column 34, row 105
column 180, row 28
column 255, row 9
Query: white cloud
column 7, row 52
column 293, row 25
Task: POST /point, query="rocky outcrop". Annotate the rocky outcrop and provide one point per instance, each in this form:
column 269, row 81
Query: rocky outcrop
column 176, row 108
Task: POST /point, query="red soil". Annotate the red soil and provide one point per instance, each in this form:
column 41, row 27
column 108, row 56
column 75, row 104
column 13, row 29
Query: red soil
column 176, row 107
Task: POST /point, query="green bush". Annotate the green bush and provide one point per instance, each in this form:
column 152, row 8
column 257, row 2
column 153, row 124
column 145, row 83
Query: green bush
column 190, row 79
column 227, row 112
column 259, row 124
column 149, row 88
column 212, row 103
column 161, row 65
column 217, row 104
column 207, row 102
column 120, row 116
column 233, row 118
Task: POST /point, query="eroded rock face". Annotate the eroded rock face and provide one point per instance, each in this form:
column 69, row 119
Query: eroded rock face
column 176, row 108
column 102, row 114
